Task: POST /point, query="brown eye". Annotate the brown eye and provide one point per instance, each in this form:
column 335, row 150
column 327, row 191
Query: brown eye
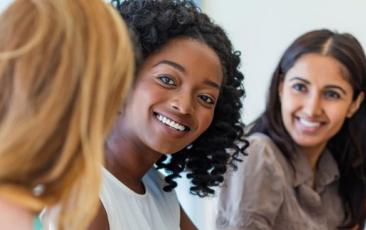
column 166, row 80
column 332, row 94
column 299, row 87
column 207, row 99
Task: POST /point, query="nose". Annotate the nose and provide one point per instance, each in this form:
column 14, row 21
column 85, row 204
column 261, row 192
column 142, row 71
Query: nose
column 182, row 103
column 313, row 105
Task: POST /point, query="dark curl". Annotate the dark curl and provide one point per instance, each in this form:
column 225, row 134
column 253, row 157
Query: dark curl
column 154, row 23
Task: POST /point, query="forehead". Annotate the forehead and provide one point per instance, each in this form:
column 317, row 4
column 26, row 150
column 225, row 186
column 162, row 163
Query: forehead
column 196, row 57
column 319, row 68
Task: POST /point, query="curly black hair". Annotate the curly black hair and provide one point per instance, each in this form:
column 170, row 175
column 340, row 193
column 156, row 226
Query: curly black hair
column 154, row 23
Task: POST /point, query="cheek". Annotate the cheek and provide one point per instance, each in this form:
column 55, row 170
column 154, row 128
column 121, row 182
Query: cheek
column 147, row 95
column 337, row 115
column 205, row 120
column 289, row 102
column 287, row 106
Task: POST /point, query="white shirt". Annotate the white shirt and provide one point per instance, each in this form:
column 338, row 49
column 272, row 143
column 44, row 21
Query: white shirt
column 127, row 210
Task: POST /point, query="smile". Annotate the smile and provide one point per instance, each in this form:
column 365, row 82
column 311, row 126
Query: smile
column 309, row 124
column 172, row 124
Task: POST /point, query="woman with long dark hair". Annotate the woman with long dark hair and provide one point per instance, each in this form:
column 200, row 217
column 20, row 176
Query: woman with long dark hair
column 305, row 168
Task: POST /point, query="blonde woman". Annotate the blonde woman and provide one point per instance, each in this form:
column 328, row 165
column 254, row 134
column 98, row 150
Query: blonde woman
column 65, row 67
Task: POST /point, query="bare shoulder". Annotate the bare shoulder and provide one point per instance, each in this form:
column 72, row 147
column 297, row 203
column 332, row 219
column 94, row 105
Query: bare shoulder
column 100, row 221
column 14, row 216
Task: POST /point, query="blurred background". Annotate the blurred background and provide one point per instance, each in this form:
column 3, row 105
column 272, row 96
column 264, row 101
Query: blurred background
column 262, row 30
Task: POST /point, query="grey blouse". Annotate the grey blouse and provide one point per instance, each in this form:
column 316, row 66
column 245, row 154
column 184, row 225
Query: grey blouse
column 265, row 193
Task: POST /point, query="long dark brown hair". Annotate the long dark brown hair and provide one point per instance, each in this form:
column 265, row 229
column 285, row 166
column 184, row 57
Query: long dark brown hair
column 347, row 146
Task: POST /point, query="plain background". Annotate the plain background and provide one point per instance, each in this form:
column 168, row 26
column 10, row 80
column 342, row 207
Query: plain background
column 262, row 30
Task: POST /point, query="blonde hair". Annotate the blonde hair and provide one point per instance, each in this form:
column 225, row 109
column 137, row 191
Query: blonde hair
column 65, row 67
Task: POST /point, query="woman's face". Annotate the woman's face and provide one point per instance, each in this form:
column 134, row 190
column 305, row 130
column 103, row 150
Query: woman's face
column 316, row 98
column 174, row 98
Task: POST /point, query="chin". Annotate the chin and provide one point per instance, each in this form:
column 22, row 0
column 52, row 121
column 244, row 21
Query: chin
column 168, row 149
column 309, row 144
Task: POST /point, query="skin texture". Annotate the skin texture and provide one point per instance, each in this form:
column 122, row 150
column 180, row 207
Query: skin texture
column 182, row 82
column 12, row 213
column 316, row 98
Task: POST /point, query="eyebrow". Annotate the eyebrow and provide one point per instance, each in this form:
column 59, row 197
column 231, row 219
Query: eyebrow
column 300, row 79
column 212, row 84
column 327, row 86
column 183, row 70
column 172, row 64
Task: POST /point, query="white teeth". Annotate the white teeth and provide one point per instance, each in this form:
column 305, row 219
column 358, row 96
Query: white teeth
column 170, row 123
column 308, row 123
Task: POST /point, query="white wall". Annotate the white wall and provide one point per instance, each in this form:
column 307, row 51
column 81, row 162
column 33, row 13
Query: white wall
column 4, row 4
column 262, row 30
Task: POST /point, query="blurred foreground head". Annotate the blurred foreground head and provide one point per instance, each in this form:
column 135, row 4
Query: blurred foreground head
column 65, row 68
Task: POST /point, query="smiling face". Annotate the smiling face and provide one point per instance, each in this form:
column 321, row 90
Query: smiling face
column 316, row 98
column 174, row 98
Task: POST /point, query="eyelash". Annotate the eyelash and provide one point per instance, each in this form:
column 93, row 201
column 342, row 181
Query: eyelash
column 207, row 99
column 332, row 94
column 167, row 81
column 299, row 87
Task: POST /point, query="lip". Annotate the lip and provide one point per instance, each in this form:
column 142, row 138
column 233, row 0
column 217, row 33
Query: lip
column 170, row 131
column 308, row 126
column 185, row 122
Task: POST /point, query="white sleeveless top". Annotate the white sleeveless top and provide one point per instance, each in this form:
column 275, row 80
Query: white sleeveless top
column 127, row 210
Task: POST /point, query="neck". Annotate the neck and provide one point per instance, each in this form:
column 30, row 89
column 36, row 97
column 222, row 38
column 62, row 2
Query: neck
column 128, row 160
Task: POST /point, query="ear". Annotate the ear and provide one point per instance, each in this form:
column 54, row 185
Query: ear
column 355, row 105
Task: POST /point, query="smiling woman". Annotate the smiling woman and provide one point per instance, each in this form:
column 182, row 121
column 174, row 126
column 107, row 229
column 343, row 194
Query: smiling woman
column 306, row 163
column 185, row 103
column 177, row 87
column 316, row 97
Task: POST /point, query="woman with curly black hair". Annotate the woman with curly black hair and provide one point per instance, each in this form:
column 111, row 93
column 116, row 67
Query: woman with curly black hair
column 305, row 168
column 186, row 102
